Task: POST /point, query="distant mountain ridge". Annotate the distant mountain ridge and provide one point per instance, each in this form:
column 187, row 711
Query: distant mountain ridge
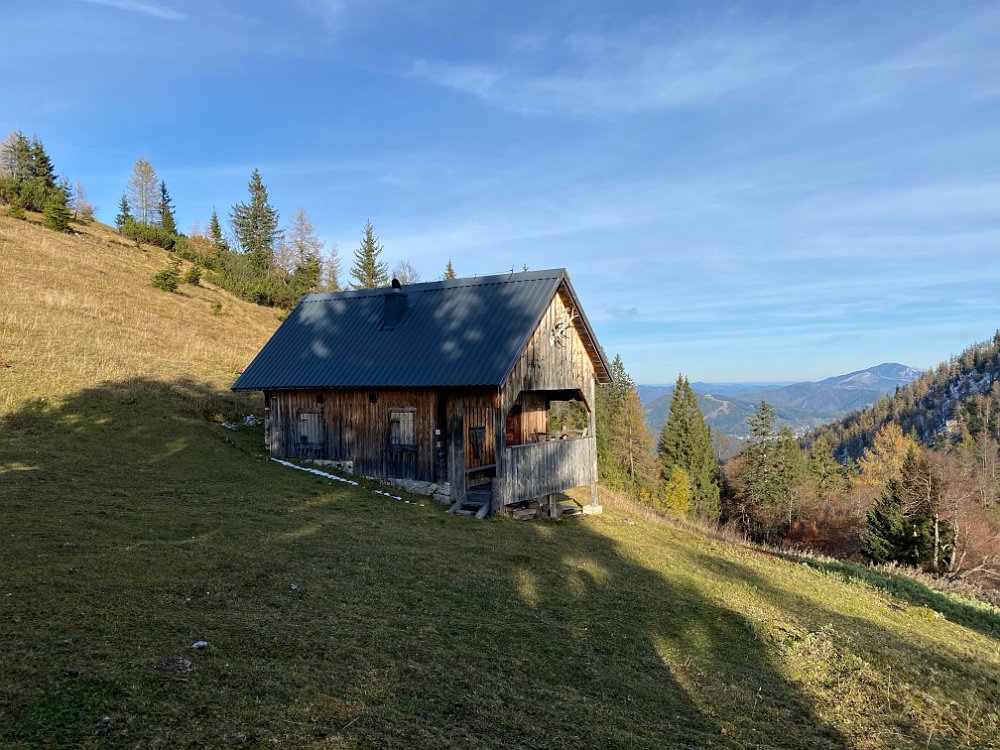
column 802, row 406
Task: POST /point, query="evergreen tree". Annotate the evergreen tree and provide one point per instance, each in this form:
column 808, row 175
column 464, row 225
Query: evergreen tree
column 215, row 233
column 368, row 271
column 124, row 216
column 905, row 525
column 686, row 443
column 56, row 215
column 165, row 209
column 255, row 225
column 761, row 490
column 449, row 271
column 676, row 495
column 16, row 208
column 41, row 165
column 823, row 467
column 143, row 192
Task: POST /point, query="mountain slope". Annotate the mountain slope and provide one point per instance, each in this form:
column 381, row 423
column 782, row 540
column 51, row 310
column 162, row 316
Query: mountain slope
column 133, row 526
column 961, row 394
column 802, row 406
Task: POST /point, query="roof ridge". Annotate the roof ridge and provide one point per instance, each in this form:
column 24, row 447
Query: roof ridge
column 441, row 284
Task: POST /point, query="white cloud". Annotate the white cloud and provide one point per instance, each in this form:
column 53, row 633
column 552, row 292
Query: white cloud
column 155, row 10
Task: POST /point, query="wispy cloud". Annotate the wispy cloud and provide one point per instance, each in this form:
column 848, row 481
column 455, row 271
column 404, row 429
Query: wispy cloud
column 622, row 74
column 155, row 10
column 786, row 63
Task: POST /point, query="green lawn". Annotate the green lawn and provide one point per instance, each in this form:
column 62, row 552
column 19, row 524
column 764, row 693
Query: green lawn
column 133, row 526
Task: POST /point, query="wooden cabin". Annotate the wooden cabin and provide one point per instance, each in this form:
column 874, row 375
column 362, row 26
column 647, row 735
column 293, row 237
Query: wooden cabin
column 448, row 381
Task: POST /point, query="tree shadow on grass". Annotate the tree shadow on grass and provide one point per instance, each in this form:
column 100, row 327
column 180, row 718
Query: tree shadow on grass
column 985, row 619
column 135, row 528
column 946, row 671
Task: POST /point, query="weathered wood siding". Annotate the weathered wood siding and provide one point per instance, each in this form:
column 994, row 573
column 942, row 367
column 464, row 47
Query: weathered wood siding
column 539, row 469
column 355, row 429
column 480, row 412
column 555, row 359
column 534, row 415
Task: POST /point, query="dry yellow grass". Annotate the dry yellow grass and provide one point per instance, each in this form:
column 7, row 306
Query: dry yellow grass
column 77, row 310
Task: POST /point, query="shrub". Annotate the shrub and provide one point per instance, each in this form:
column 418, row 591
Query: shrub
column 169, row 278
column 193, row 276
column 150, row 234
column 56, row 216
column 16, row 210
column 216, row 308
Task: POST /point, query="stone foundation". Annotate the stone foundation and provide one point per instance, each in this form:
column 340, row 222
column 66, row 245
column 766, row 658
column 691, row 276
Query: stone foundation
column 440, row 491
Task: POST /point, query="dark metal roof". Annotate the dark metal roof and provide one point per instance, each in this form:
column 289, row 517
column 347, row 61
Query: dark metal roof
column 461, row 332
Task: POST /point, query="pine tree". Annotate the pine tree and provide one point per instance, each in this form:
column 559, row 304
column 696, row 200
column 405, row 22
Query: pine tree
column 368, row 271
column 56, row 215
column 449, row 271
column 165, row 208
column 215, row 233
column 143, row 192
column 124, row 216
column 686, row 443
column 255, row 225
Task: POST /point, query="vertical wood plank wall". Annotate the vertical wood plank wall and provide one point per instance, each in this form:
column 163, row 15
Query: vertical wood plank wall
column 357, row 430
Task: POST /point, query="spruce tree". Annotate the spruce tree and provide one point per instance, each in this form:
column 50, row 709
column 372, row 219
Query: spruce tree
column 255, row 225
column 823, row 467
column 56, row 215
column 166, row 210
column 41, row 166
column 449, row 271
column 686, row 443
column 124, row 216
column 215, row 233
column 368, row 271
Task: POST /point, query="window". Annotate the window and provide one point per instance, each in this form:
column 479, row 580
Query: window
column 402, row 436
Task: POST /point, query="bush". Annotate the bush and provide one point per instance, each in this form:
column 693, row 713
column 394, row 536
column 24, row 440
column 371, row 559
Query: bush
column 193, row 276
column 169, row 278
column 150, row 234
column 16, row 210
column 216, row 308
column 36, row 194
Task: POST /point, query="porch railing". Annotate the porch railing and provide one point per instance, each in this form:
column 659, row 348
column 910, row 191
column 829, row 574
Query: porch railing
column 534, row 470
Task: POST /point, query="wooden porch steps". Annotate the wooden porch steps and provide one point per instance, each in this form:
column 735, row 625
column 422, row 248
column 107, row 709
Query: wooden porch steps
column 476, row 504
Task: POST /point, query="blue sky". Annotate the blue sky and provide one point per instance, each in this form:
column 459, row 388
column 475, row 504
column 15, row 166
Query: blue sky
column 741, row 191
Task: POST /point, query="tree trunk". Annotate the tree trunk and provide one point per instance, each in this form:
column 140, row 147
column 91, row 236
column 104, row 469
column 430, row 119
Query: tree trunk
column 937, row 540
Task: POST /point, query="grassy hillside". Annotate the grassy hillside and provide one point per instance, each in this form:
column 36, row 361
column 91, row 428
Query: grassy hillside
column 134, row 526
